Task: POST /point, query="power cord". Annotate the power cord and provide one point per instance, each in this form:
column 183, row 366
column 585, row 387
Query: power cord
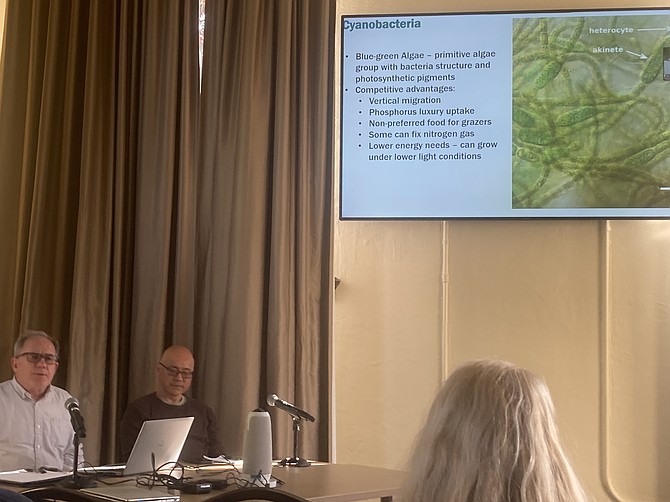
column 174, row 479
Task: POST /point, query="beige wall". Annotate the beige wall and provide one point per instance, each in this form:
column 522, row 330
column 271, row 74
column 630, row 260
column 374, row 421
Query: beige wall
column 584, row 303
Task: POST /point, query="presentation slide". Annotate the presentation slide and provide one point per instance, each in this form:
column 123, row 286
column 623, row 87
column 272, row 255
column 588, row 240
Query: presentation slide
column 506, row 115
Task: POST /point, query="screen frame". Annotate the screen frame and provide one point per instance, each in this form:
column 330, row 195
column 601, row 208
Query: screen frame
column 572, row 213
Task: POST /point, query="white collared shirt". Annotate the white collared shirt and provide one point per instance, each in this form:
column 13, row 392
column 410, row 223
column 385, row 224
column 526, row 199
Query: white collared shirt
column 35, row 434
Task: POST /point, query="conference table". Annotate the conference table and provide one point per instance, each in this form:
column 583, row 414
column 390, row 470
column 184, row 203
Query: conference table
column 320, row 482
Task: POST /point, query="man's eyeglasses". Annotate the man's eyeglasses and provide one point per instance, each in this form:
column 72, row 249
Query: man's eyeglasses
column 174, row 372
column 35, row 357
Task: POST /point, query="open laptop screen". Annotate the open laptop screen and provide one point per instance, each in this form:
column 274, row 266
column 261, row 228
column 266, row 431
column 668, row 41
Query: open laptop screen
column 164, row 438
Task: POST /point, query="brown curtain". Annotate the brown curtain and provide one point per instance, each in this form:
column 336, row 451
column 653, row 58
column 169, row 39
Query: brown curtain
column 125, row 230
column 264, row 214
column 97, row 147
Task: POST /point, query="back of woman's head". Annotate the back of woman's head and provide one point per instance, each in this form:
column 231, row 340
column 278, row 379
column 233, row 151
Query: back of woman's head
column 491, row 436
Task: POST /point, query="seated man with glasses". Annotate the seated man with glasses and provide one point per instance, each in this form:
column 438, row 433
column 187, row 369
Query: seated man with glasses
column 36, row 431
column 174, row 373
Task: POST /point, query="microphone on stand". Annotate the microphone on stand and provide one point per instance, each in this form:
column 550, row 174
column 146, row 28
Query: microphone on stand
column 291, row 409
column 77, row 421
column 298, row 415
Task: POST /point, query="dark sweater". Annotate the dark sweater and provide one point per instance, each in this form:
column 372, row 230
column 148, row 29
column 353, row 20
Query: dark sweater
column 203, row 438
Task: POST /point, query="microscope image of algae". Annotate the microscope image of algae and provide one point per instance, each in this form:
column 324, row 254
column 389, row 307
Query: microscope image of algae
column 590, row 128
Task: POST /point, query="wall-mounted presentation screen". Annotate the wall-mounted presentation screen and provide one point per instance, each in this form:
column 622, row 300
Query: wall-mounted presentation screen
column 506, row 115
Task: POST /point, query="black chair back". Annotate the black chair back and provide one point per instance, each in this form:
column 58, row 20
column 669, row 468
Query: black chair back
column 12, row 496
column 58, row 493
column 256, row 493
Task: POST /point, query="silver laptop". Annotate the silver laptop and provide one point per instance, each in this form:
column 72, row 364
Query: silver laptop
column 163, row 438
column 133, row 493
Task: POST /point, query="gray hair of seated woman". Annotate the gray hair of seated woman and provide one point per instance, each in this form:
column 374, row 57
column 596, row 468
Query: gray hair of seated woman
column 491, row 435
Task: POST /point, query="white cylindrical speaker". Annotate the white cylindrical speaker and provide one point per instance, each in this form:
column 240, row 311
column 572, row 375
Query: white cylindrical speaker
column 257, row 456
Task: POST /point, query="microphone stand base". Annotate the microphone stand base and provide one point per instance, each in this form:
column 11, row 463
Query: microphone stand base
column 294, row 462
column 78, row 483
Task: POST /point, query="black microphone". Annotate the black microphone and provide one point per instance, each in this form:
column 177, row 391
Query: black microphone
column 72, row 405
column 273, row 400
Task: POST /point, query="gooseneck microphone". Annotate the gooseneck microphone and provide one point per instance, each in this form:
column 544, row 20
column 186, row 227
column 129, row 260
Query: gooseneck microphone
column 294, row 411
column 77, row 420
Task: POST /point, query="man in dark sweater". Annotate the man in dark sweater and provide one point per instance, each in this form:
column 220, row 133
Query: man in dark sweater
column 174, row 374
